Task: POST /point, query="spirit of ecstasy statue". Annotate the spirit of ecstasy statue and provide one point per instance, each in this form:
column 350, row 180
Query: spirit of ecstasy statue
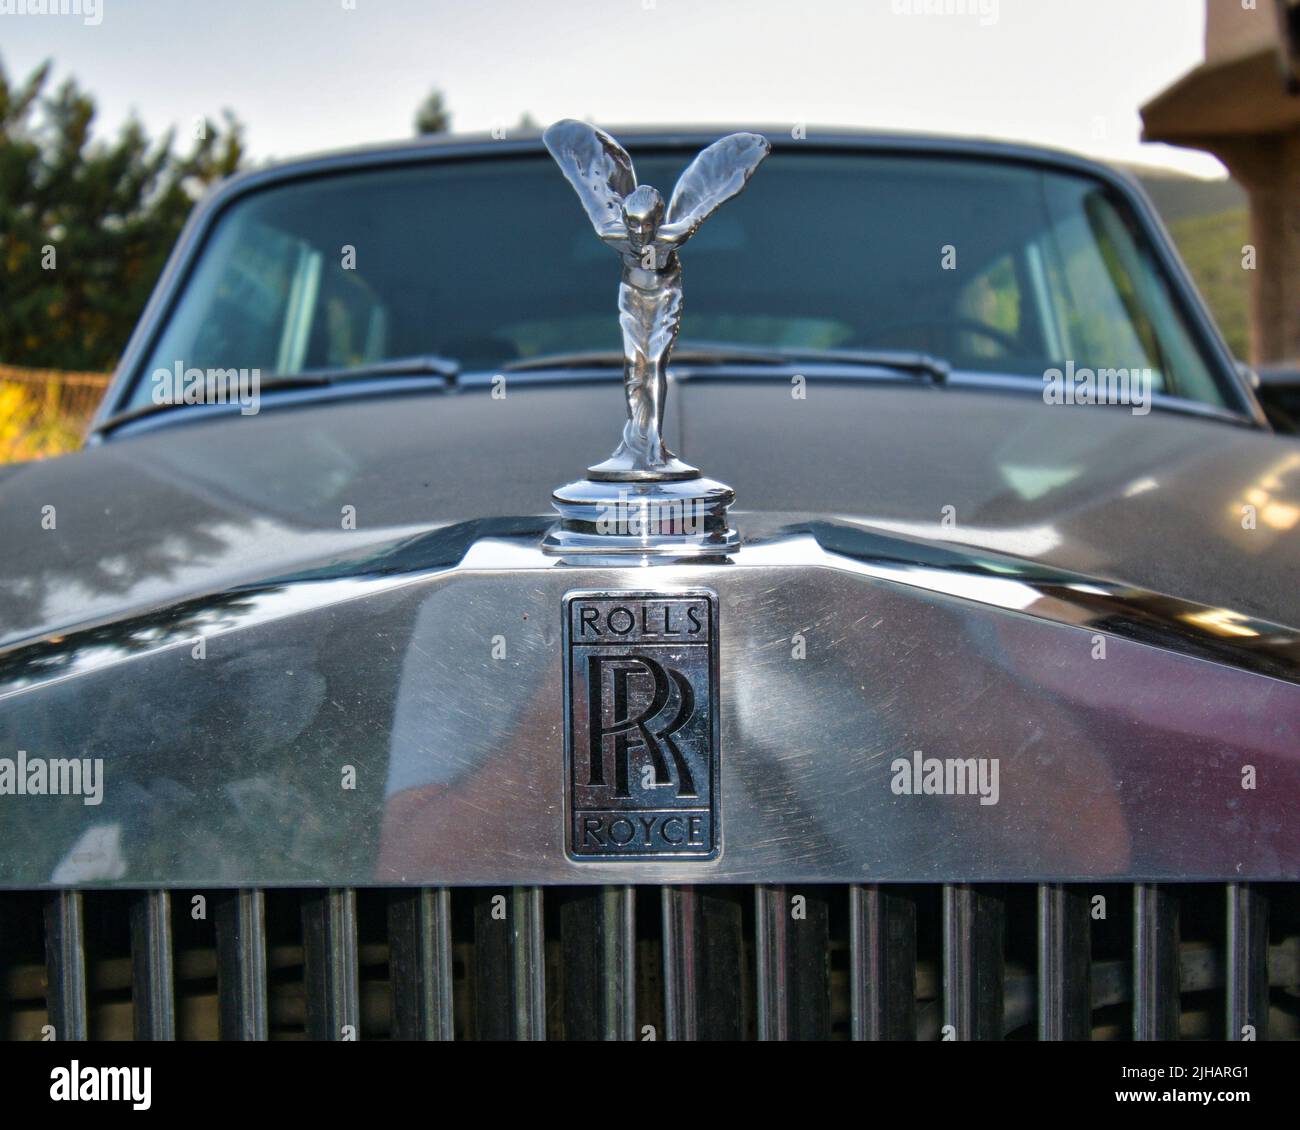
column 631, row 219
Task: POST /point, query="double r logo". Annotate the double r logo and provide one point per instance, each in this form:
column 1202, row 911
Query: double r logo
column 637, row 714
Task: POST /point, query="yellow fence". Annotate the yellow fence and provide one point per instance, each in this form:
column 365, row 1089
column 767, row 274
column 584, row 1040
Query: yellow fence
column 45, row 412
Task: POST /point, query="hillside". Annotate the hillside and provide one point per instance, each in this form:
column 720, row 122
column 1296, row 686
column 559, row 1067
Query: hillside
column 1209, row 223
column 1178, row 196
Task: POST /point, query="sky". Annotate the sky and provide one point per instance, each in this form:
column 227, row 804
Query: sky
column 312, row 75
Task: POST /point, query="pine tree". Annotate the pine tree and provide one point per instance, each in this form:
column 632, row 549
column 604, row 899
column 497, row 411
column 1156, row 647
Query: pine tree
column 432, row 115
column 86, row 225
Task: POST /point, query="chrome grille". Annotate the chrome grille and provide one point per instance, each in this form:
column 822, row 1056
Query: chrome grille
column 770, row 962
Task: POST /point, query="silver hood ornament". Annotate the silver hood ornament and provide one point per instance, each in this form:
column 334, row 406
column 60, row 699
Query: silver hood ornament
column 643, row 500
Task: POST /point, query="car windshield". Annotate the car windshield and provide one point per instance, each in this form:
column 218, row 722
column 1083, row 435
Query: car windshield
column 997, row 266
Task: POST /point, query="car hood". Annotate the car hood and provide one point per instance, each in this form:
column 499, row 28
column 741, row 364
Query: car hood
column 262, row 613
column 1198, row 509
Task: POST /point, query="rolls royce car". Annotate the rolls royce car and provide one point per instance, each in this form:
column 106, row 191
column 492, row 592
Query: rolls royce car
column 328, row 709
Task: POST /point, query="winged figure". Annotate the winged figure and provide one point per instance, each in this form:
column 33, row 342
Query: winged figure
column 632, row 219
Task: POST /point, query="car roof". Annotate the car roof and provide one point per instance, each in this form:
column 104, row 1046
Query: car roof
column 517, row 142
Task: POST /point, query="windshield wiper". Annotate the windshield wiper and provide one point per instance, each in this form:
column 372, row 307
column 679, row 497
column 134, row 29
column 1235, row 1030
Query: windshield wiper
column 908, row 361
column 707, row 353
column 420, row 365
column 690, row 353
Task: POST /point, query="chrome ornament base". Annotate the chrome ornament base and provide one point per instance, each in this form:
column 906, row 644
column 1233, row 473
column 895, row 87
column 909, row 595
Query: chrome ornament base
column 615, row 470
column 653, row 521
column 629, row 466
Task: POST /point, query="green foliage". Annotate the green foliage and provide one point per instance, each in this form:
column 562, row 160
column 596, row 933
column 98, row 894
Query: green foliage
column 33, row 423
column 85, row 224
column 1209, row 222
column 1211, row 247
column 432, row 115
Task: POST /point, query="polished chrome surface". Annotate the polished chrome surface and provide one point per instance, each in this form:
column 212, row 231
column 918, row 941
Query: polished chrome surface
column 1247, row 973
column 680, row 914
column 642, row 523
column 527, row 952
column 882, row 963
column 974, row 974
column 843, row 651
column 65, row 964
column 703, row 965
column 1156, row 966
column 699, row 961
column 153, row 988
column 420, row 962
column 329, row 938
column 633, row 221
column 1064, row 963
column 599, row 964
column 242, row 969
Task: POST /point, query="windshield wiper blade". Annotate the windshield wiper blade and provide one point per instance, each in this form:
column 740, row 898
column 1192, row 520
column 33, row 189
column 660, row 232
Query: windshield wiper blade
column 686, row 352
column 708, row 353
column 924, row 364
column 420, row 365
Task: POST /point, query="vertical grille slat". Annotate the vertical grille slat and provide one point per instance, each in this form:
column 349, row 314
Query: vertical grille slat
column 1077, row 960
column 420, row 963
column 702, row 946
column 791, row 956
column 65, row 965
column 241, row 964
column 882, row 964
column 680, row 911
column 510, row 969
column 1247, row 964
column 1064, row 963
column 772, row 959
column 1155, row 963
column 973, row 971
column 329, row 939
column 152, row 978
column 598, row 943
